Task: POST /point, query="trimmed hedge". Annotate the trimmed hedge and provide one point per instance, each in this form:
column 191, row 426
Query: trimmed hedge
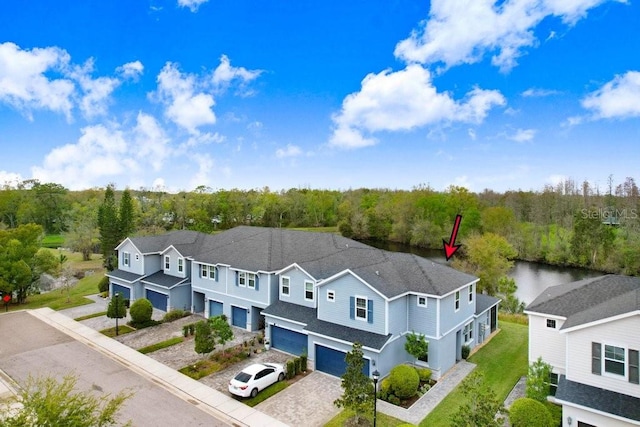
column 141, row 311
column 527, row 412
column 404, row 381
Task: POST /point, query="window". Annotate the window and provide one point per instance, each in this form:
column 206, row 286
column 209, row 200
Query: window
column 180, row 265
column 553, row 383
column 204, row 271
column 361, row 308
column 251, row 280
column 422, row 301
column 308, row 291
column 167, row 262
column 126, row 259
column 212, row 272
column 614, row 360
column 457, row 300
column 242, row 278
column 470, row 294
column 468, row 332
column 331, row 296
column 551, row 323
column 284, row 287
column 634, row 375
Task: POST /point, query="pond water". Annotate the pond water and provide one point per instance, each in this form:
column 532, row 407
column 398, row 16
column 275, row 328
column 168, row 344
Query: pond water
column 531, row 277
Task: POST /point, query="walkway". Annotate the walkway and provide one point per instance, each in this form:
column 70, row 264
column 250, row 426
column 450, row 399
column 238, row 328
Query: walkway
column 432, row 398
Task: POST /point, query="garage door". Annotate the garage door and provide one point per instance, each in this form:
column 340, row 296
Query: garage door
column 157, row 299
column 333, row 361
column 215, row 308
column 239, row 317
column 123, row 290
column 287, row 340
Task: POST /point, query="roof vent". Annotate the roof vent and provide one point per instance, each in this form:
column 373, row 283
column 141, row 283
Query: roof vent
column 347, row 245
column 377, row 273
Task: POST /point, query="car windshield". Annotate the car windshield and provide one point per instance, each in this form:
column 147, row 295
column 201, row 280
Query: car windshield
column 243, row 377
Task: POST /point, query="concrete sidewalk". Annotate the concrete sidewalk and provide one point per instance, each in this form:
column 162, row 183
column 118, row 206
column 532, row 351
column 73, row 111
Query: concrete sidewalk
column 217, row 404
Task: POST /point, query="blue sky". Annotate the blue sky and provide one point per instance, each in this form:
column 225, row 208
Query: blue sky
column 174, row 94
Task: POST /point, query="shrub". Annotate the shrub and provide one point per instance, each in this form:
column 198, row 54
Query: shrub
column 424, row 374
column 185, row 331
column 404, row 381
column 174, row 315
column 192, row 328
column 291, row 369
column 296, row 365
column 465, row 351
column 303, row 362
column 103, row 285
column 141, row 311
column 527, row 412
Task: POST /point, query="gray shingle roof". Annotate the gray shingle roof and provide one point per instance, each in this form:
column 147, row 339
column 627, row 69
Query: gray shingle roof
column 589, row 300
column 485, row 302
column 295, row 312
column 124, row 275
column 164, row 280
column 185, row 241
column 599, row 399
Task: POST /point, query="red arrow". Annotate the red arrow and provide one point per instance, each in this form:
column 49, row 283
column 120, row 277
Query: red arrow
column 451, row 248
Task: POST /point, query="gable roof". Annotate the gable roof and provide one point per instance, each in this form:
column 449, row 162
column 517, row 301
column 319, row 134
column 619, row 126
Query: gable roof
column 320, row 254
column 589, row 300
column 485, row 302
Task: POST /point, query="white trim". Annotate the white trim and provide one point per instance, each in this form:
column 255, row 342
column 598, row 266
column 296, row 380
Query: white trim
column 158, row 292
column 313, row 291
column 540, row 314
column 283, row 319
column 596, row 411
column 169, row 248
column 457, row 289
column 355, row 308
column 625, row 362
column 418, row 333
column 348, row 271
column 334, row 339
column 425, row 301
column 127, row 256
column 166, row 259
column 296, row 266
column 602, row 321
column 180, row 265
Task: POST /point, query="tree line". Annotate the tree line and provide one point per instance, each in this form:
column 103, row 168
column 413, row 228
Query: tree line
column 566, row 224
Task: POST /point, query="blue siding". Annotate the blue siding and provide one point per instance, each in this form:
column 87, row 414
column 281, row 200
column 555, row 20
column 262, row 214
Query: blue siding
column 422, row 319
column 398, row 316
column 180, row 298
column 135, row 266
column 296, row 288
column 239, row 317
column 340, row 311
column 289, row 341
column 152, row 264
column 449, row 318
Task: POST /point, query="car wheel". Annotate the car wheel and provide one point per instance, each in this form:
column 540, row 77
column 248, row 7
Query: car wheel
column 254, row 392
column 281, row 376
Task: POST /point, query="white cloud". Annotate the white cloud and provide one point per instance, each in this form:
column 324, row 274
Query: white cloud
column 472, row 134
column 131, row 70
column 185, row 105
column 289, row 151
column 203, row 175
column 619, row 98
column 556, row 179
column 539, row 93
column 105, row 152
column 10, row 179
column 96, row 92
column 404, row 100
column 24, row 85
column 193, row 5
column 463, row 31
column 225, row 74
column 523, row 135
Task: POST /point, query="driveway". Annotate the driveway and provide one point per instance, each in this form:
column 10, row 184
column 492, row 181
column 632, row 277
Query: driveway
column 308, row 402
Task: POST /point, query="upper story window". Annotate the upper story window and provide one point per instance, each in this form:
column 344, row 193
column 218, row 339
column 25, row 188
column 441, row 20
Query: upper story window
column 308, row 291
column 470, row 294
column 614, row 360
column 285, row 286
column 242, row 278
column 331, row 296
column 551, row 323
column 422, row 301
column 167, row 262
column 180, row 265
column 361, row 308
column 208, row 272
column 457, row 303
column 251, row 280
column 126, row 259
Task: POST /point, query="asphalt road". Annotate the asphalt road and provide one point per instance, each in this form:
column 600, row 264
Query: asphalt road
column 30, row 347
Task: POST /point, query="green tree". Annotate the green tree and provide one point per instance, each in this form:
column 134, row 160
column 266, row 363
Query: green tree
column 358, row 393
column 591, row 240
column 481, row 408
column 526, row 412
column 538, row 385
column 117, row 308
column 488, row 256
column 507, row 292
column 141, row 311
column 126, row 215
column 82, row 234
column 205, row 340
column 48, row 402
column 221, row 329
column 417, row 345
column 109, row 227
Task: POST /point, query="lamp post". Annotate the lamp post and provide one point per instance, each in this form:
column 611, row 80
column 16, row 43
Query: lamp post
column 376, row 377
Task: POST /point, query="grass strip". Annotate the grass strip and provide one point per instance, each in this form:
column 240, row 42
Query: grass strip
column 266, row 393
column 382, row 420
column 122, row 329
column 161, row 345
column 90, row 316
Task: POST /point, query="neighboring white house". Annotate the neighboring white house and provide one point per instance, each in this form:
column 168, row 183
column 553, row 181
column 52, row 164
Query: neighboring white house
column 589, row 331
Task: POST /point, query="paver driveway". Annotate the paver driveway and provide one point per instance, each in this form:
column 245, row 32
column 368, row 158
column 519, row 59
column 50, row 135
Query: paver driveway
column 308, row 402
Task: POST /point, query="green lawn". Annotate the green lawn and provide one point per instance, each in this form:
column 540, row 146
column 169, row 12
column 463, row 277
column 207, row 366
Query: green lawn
column 502, row 361
column 382, row 420
column 122, row 329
